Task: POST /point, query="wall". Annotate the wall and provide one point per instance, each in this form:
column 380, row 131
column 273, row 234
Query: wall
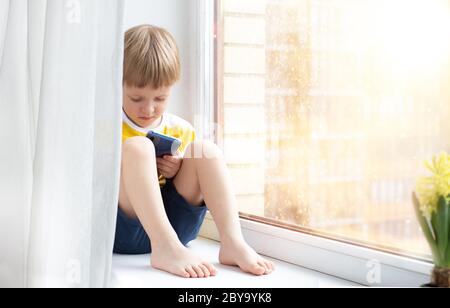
column 177, row 17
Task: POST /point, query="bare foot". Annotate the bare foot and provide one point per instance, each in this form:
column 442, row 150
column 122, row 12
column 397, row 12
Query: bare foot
column 242, row 255
column 180, row 261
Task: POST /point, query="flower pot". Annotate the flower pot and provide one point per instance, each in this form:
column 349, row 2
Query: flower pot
column 441, row 277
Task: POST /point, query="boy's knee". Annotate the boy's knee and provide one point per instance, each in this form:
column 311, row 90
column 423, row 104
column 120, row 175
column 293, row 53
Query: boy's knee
column 204, row 149
column 138, row 147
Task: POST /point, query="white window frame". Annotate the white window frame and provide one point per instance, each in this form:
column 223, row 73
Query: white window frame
column 365, row 266
column 203, row 59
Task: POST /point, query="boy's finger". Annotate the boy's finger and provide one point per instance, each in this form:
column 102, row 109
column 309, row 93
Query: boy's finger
column 159, row 160
column 171, row 164
column 168, row 158
column 173, row 159
column 163, row 167
column 166, row 163
column 162, row 161
column 164, row 171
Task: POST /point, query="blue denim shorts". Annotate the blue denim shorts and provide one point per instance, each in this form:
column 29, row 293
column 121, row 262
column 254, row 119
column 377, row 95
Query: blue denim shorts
column 185, row 219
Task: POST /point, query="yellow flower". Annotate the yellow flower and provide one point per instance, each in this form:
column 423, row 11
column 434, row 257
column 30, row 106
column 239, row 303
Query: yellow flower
column 431, row 188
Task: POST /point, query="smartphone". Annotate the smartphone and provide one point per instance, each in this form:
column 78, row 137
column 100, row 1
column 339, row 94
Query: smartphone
column 164, row 145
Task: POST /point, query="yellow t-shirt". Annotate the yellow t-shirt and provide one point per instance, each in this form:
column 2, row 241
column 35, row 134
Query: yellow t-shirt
column 171, row 125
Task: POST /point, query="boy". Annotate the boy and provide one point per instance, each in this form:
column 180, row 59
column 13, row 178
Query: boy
column 163, row 201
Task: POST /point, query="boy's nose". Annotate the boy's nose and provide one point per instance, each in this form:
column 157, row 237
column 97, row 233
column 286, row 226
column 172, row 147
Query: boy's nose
column 150, row 109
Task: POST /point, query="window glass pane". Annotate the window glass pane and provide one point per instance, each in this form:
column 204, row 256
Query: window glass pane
column 329, row 109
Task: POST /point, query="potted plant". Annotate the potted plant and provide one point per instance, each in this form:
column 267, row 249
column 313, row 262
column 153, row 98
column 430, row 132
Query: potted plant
column 432, row 205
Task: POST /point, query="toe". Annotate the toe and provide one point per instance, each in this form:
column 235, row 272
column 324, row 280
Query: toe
column 199, row 271
column 212, row 270
column 185, row 274
column 257, row 269
column 191, row 272
column 269, row 266
column 264, row 265
column 205, row 270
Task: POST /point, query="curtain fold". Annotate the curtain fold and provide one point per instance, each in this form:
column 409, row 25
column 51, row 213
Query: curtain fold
column 60, row 126
column 4, row 10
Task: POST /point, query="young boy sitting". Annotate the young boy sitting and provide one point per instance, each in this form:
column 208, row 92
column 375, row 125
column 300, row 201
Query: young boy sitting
column 163, row 201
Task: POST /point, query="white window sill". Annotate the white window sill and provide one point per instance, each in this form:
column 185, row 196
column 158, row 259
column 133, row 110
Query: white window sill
column 364, row 266
column 135, row 271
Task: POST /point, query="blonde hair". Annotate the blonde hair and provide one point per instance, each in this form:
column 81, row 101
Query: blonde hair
column 151, row 58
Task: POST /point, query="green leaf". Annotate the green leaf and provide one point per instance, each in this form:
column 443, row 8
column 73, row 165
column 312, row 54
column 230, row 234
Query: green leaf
column 447, row 260
column 447, row 256
column 427, row 231
column 440, row 223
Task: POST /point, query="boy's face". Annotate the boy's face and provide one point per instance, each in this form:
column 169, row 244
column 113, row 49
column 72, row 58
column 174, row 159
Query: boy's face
column 145, row 106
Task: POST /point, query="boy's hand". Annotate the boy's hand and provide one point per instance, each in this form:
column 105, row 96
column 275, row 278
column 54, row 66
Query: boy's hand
column 169, row 166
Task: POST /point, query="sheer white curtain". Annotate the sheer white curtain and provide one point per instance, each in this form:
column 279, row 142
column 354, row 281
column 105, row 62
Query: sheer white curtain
column 60, row 126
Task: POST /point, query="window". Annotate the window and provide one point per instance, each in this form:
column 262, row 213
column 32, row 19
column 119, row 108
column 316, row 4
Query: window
column 328, row 108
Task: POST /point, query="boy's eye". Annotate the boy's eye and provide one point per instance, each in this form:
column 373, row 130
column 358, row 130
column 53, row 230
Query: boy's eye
column 160, row 100
column 136, row 100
